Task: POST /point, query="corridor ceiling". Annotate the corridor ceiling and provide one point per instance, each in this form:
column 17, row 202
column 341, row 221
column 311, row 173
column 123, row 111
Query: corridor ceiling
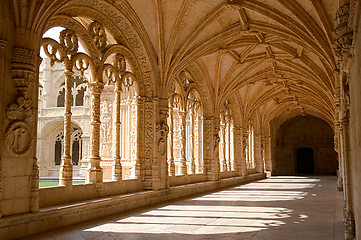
column 274, row 58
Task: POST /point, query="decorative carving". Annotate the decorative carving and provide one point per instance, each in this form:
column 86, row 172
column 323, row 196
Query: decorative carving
column 162, row 146
column 18, row 138
column 98, row 34
column 21, row 110
column 349, row 222
column 162, row 131
column 343, row 33
column 106, row 110
column 69, row 42
column 3, row 43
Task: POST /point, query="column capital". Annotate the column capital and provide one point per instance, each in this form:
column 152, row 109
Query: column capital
column 96, row 87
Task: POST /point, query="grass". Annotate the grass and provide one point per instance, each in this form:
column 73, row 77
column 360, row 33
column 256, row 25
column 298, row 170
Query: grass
column 43, row 184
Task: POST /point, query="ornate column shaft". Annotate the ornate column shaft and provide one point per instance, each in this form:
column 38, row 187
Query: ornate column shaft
column 183, row 161
column 258, row 153
column 267, row 153
column 3, row 49
column 208, row 148
column 222, row 145
column 237, row 159
column 117, row 167
column 191, row 136
column 94, row 171
column 228, row 143
column 21, row 133
column 137, row 106
column 348, row 217
column 160, row 174
column 246, row 161
column 170, row 141
column 66, row 167
column 216, row 139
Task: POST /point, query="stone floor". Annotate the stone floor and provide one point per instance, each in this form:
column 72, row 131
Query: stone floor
column 276, row 208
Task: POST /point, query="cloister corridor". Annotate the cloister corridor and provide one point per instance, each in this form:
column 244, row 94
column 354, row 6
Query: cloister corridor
column 277, row 208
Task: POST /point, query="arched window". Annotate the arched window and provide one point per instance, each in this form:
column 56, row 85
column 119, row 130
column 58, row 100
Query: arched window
column 185, row 121
column 58, row 148
column 78, row 90
column 76, row 146
column 61, row 96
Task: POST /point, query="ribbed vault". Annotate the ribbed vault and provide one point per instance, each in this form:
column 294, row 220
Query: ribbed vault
column 275, row 56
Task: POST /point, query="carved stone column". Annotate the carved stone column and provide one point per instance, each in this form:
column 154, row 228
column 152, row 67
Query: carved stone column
column 117, row 166
column 259, row 153
column 170, row 142
column 228, row 142
column 94, row 171
column 160, row 172
column 182, row 160
column 66, row 167
column 222, row 145
column 343, row 34
column 136, row 113
column 3, row 74
column 348, row 217
column 215, row 160
column 149, row 109
column 238, row 159
column 208, row 148
column 191, row 139
column 337, row 148
column 21, row 132
column 245, row 162
column 267, row 153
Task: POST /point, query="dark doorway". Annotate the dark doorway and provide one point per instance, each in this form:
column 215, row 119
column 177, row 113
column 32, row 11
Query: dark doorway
column 305, row 163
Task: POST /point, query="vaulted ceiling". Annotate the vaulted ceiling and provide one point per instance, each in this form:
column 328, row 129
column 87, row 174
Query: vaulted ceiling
column 275, row 56
column 272, row 57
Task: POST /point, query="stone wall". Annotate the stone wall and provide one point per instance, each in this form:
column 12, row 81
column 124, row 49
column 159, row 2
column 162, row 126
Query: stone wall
column 355, row 129
column 304, row 132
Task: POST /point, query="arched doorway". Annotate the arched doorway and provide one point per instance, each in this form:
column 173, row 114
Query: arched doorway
column 305, row 161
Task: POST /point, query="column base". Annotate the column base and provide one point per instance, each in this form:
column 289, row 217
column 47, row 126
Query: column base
column 66, row 173
column 117, row 172
column 182, row 168
column 94, row 176
column 350, row 226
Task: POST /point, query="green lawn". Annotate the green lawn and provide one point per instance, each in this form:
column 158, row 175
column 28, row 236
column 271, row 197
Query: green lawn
column 54, row 183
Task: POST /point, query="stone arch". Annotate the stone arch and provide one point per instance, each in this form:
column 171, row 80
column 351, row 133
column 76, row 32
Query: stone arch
column 47, row 141
column 116, row 20
column 202, row 87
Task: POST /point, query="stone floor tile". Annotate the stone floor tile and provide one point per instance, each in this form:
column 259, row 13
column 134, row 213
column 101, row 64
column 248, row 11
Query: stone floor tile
column 277, row 208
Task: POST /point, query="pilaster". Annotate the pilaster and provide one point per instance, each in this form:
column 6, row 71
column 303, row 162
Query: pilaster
column 94, row 171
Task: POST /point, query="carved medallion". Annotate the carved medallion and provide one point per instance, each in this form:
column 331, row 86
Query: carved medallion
column 162, row 147
column 18, row 138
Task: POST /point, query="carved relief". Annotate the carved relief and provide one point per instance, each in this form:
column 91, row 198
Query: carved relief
column 21, row 110
column 343, row 33
column 3, row 43
column 97, row 32
column 18, row 138
column 162, row 131
column 106, row 109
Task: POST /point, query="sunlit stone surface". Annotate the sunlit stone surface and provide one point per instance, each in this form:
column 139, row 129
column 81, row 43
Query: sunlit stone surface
column 291, row 208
